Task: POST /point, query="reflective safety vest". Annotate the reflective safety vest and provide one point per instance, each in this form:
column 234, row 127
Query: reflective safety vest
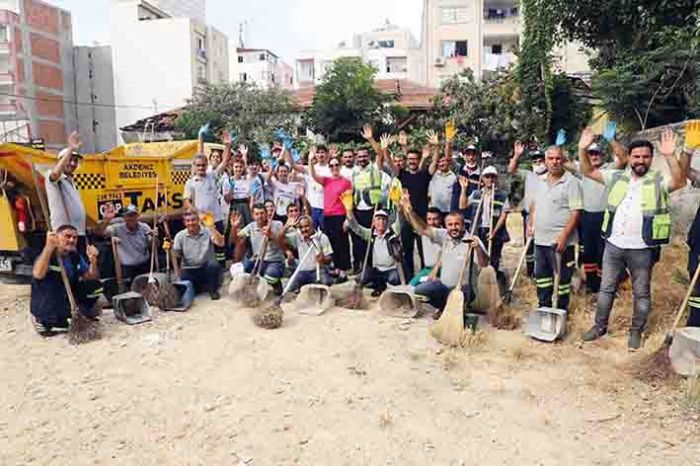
column 656, row 224
column 367, row 185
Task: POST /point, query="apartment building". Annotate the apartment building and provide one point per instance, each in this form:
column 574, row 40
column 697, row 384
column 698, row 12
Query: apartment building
column 482, row 35
column 160, row 60
column 390, row 49
column 36, row 72
column 260, row 67
column 195, row 9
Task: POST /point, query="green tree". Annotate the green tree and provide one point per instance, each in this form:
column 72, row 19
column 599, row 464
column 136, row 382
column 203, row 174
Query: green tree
column 253, row 113
column 345, row 100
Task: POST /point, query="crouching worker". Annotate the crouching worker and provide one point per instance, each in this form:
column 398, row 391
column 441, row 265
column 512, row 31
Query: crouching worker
column 132, row 238
column 50, row 307
column 194, row 246
column 302, row 238
column 384, row 243
column 448, row 268
column 263, row 234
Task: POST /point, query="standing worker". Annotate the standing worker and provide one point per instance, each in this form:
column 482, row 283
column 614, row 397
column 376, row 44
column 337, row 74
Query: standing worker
column 694, row 233
column 637, row 222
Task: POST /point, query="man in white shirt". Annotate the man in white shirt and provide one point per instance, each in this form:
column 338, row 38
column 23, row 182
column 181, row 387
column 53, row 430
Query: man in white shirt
column 637, row 222
column 314, row 191
column 441, row 186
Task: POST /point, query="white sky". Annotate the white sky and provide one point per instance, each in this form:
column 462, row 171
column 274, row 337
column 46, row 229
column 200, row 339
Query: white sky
column 283, row 26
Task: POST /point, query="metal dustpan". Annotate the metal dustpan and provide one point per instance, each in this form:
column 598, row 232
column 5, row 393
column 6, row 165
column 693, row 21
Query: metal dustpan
column 185, row 289
column 685, row 351
column 548, row 323
column 314, row 299
column 399, row 301
column 131, row 308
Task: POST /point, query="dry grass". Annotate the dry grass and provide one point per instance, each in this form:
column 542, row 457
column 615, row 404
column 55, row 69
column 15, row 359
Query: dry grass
column 692, row 393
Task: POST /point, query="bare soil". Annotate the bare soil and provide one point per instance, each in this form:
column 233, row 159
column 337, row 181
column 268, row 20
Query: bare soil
column 348, row 387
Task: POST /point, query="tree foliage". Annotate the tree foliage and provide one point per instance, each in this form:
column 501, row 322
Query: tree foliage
column 346, row 99
column 252, row 112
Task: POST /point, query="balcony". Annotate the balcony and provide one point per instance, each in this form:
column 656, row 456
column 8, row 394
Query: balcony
column 5, row 47
column 502, row 27
column 202, row 55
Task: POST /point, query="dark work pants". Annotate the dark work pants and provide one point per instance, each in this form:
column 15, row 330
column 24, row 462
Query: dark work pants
column 592, row 247
column 408, row 240
column 545, row 268
column 435, row 293
column 220, row 252
column 530, row 254
column 378, row 280
column 333, row 228
column 204, row 278
column 496, row 247
column 639, row 262
column 694, row 303
column 359, row 246
column 130, row 271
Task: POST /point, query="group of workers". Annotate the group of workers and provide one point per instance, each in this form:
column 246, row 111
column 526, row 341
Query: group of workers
column 367, row 211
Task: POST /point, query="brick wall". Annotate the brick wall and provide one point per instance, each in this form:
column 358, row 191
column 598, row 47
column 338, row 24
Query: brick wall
column 19, row 72
column 47, row 76
column 49, row 104
column 45, row 48
column 53, row 132
column 41, row 17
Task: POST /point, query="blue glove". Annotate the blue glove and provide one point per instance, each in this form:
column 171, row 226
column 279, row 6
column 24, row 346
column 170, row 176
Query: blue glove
column 265, row 153
column 610, row 130
column 204, row 130
column 281, row 135
column 296, row 156
column 273, row 164
column 288, row 144
column 561, row 138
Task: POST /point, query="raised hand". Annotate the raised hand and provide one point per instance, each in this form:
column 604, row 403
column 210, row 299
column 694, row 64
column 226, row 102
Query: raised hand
column 433, row 138
column 692, row 134
column 561, row 138
column 333, row 151
column 226, row 137
column 51, row 241
column 406, row 200
column 669, row 140
column 74, row 141
column 586, row 139
column 243, row 149
column 92, row 254
column 203, row 131
column 367, row 132
column 610, row 131
column 386, row 140
column 463, row 182
column 518, row 148
column 450, row 130
column 403, row 138
column 312, row 156
column 235, row 219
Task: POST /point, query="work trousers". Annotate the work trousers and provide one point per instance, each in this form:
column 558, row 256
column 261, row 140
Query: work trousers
column 271, row 271
column 530, row 254
column 639, row 262
column 408, row 240
column 546, row 267
column 308, row 277
column 435, row 293
column 206, row 277
column 378, row 280
column 131, row 271
column 694, row 303
column 333, row 228
column 220, row 252
column 359, row 245
column 591, row 248
column 496, row 247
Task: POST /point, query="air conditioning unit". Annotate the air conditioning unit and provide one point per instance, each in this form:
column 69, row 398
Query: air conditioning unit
column 439, row 62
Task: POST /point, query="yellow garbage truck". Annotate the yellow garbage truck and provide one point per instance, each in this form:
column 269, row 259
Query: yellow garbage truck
column 125, row 175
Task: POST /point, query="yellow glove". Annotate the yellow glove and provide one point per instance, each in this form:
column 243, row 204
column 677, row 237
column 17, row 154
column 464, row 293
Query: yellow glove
column 346, row 199
column 692, row 134
column 166, row 245
column 208, row 220
column 395, row 193
column 450, row 130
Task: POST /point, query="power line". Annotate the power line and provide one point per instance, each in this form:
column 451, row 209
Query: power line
column 76, row 103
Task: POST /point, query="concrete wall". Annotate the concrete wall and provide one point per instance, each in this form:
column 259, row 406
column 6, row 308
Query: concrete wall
column 95, row 93
column 195, row 9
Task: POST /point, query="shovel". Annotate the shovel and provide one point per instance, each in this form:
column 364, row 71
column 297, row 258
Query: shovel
column 314, row 299
column 548, row 324
column 131, row 308
column 399, row 301
column 509, row 295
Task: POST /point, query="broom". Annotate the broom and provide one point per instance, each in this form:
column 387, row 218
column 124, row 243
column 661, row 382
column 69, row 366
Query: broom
column 449, row 328
column 356, row 299
column 489, row 298
column 82, row 329
column 167, row 294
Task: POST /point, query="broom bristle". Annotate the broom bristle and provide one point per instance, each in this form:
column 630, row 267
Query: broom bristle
column 654, row 367
column 354, row 300
column 168, row 296
column 83, row 330
column 269, row 317
column 244, row 291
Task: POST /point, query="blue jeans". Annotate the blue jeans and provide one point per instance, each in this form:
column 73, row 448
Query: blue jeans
column 270, row 271
column 639, row 262
column 307, row 277
column 435, row 293
column 378, row 280
column 317, row 218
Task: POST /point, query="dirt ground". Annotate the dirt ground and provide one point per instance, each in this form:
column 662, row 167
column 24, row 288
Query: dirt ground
column 348, row 387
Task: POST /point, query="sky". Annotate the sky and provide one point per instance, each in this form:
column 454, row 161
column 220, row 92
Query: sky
column 283, row 26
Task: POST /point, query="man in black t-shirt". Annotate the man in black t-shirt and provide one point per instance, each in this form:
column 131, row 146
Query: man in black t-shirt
column 693, row 242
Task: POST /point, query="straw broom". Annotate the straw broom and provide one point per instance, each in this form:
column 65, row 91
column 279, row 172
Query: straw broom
column 356, row 300
column 82, row 330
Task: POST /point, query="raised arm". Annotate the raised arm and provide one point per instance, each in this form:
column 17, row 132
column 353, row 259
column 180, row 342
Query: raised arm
column 227, row 139
column 586, row 167
column 463, row 189
column 518, row 151
column 312, row 171
column 403, row 142
column 418, row 224
column 434, row 141
column 669, row 139
column 622, row 156
column 41, row 265
column 64, row 157
column 385, row 141
column 93, row 272
column 369, row 137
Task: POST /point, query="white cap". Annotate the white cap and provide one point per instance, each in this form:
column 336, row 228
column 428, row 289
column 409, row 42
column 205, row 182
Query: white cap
column 490, row 170
column 471, row 147
column 381, row 213
column 595, row 147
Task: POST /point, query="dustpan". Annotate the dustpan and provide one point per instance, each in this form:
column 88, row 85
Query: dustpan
column 548, row 324
column 399, row 301
column 185, row 289
column 131, row 308
column 315, row 298
column 685, row 351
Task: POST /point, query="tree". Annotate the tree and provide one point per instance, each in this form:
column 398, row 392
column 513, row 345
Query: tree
column 252, row 112
column 345, row 100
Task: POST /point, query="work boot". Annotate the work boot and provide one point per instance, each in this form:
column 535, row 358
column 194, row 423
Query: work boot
column 41, row 328
column 214, row 295
column 635, row 340
column 594, row 333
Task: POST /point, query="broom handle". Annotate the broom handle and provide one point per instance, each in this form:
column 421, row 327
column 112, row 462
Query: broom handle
column 521, row 262
column 117, row 264
column 296, row 272
column 154, row 251
column 681, row 310
column 469, row 247
column 491, row 225
column 45, row 211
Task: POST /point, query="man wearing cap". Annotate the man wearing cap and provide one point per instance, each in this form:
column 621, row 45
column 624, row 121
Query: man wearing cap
column 554, row 216
column 300, row 235
column 133, row 240
column 637, row 221
column 531, row 180
column 384, row 244
column 491, row 223
column 471, row 171
column 195, row 247
column 203, row 190
column 65, row 204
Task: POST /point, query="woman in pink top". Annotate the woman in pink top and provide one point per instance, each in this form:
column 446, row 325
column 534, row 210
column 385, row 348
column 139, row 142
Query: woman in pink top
column 333, row 211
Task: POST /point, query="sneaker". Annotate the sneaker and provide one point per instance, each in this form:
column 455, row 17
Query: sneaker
column 214, row 295
column 594, row 333
column 41, row 329
column 635, row 340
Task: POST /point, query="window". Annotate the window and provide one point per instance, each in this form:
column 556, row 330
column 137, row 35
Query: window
column 263, row 57
column 240, row 58
column 497, row 49
column 452, row 15
column 386, row 44
column 454, row 48
column 243, row 77
column 4, row 35
column 201, row 74
column 396, row 65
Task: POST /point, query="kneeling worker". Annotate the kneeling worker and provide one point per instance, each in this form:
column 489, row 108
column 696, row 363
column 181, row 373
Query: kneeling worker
column 384, row 243
column 452, row 254
column 195, row 247
column 302, row 239
column 49, row 305
column 133, row 240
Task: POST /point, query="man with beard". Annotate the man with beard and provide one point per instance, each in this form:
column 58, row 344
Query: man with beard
column 441, row 185
column 347, row 159
column 554, row 216
column 636, row 223
column 531, row 180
